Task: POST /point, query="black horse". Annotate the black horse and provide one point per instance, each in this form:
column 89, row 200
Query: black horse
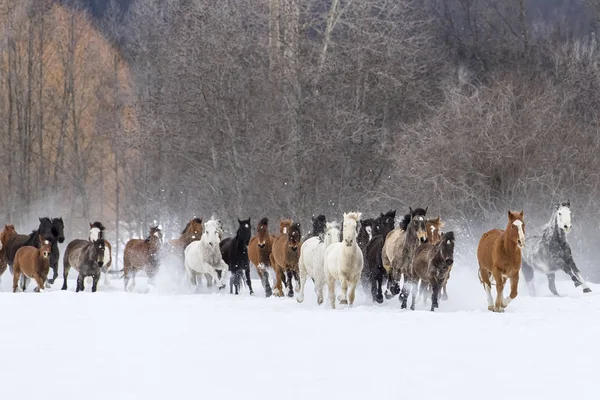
column 87, row 257
column 319, row 227
column 550, row 252
column 373, row 271
column 58, row 233
column 235, row 254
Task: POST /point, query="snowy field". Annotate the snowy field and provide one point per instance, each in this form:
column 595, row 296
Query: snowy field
column 168, row 345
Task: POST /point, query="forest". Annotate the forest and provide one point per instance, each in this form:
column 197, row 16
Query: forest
column 161, row 110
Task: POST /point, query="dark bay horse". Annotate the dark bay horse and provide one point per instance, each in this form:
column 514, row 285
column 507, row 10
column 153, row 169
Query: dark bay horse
column 373, row 271
column 32, row 263
column 97, row 229
column 142, row 254
column 235, row 254
column 87, row 257
column 499, row 257
column 259, row 253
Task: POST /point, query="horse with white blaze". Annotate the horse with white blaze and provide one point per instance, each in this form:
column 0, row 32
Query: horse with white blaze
column 551, row 252
column 204, row 256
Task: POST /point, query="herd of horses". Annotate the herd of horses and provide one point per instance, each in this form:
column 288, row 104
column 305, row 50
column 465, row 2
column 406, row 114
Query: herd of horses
column 414, row 257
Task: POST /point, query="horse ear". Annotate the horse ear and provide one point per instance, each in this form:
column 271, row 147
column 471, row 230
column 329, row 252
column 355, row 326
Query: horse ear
column 411, row 211
column 510, row 215
column 426, row 208
column 521, row 213
column 569, row 203
column 556, row 206
column 91, row 225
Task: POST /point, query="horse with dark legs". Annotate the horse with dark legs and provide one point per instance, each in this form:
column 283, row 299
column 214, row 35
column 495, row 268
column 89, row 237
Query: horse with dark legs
column 499, row 257
column 285, row 257
column 403, row 255
column 235, row 254
column 394, row 246
column 58, row 234
column 431, row 264
column 373, row 272
column 550, row 252
column 259, row 253
column 142, row 255
column 32, row 263
column 97, row 229
column 87, row 258
column 434, row 234
column 7, row 234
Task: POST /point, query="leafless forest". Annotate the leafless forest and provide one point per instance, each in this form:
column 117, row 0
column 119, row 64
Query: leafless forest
column 289, row 108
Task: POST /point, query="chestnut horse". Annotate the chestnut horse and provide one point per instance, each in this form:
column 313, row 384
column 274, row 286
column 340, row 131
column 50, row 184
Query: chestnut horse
column 285, row 256
column 191, row 232
column 142, row 254
column 499, row 256
column 33, row 263
column 259, row 252
column 9, row 232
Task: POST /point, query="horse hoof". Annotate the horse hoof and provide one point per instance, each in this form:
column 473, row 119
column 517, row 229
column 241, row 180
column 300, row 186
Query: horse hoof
column 587, row 290
column 251, row 293
column 319, row 301
column 388, row 295
column 412, row 308
column 379, row 299
column 402, row 306
column 222, row 287
column 490, row 308
column 344, row 301
column 444, row 297
column 290, row 293
column 48, row 285
column 299, row 299
column 498, row 309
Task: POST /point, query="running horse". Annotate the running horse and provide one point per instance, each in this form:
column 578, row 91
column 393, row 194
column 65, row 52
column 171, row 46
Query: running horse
column 259, row 252
column 499, row 257
column 7, row 234
column 87, row 257
column 285, row 256
column 97, row 230
column 142, row 254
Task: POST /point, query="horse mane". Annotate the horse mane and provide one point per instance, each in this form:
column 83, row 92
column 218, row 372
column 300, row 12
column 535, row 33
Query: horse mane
column 296, row 227
column 264, row 221
column 353, row 215
column 283, row 224
column 407, row 217
column 196, row 220
column 448, row 236
column 98, row 225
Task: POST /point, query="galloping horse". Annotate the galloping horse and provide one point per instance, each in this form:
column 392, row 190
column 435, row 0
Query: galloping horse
column 259, row 253
column 58, row 235
column 33, row 263
column 191, row 232
column 499, row 256
column 344, row 262
column 87, row 257
column 142, row 254
column 373, row 270
column 312, row 257
column 403, row 254
column 319, row 227
column 432, row 264
column 97, row 229
column 285, row 256
column 235, row 254
column 8, row 233
column 551, row 252
column 203, row 257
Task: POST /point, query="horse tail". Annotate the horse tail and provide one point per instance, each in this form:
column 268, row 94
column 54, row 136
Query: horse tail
column 111, row 272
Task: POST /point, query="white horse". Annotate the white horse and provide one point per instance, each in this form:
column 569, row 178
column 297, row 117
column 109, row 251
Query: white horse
column 344, row 262
column 203, row 257
column 96, row 227
column 312, row 256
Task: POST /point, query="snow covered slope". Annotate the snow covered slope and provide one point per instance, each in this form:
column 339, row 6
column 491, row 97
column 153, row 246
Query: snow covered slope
column 164, row 345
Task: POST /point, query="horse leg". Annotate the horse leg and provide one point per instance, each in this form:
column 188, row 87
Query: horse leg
column 24, row 282
column 54, row 256
column 343, row 297
column 514, row 283
column 379, row 295
column 133, row 274
column 278, row 279
column 290, row 283
column 498, row 306
column 331, row 290
column 528, row 274
column 264, row 279
column 552, row 284
column 413, row 291
column 16, row 276
column 434, row 296
column 352, row 292
column 404, row 293
column 80, row 286
column 303, row 274
column 248, row 281
column 578, row 279
column 66, row 269
column 95, row 279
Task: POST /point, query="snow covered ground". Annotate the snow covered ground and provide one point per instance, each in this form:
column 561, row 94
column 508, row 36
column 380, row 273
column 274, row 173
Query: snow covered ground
column 169, row 345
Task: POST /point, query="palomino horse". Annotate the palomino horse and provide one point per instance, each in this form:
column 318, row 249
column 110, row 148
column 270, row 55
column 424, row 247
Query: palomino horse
column 285, row 256
column 33, row 263
column 403, row 255
column 551, row 252
column 344, row 262
column 142, row 254
column 235, row 254
column 7, row 234
column 87, row 257
column 203, row 257
column 259, row 253
column 373, row 271
column 432, row 264
column 499, row 256
column 312, row 257
column 97, row 229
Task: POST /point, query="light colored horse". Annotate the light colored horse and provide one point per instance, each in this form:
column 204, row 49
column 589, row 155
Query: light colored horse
column 344, row 262
column 204, row 256
column 312, row 257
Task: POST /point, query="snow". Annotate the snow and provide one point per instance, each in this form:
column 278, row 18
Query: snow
column 165, row 344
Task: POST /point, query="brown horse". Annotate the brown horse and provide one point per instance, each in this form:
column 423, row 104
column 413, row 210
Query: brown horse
column 434, row 234
column 285, row 255
column 33, row 263
column 97, row 229
column 259, row 252
column 9, row 232
column 191, row 232
column 142, row 254
column 499, row 256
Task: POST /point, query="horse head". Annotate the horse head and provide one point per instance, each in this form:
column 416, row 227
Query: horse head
column 446, row 245
column 332, row 233
column 58, row 229
column 193, row 228
column 433, row 227
column 244, row 231
column 386, row 222
column 155, row 234
column 96, row 229
column 365, row 232
column 98, row 246
column 516, row 228
column 45, row 247
column 563, row 216
column 212, row 232
column 294, row 237
column 45, row 228
column 263, row 233
column 418, row 224
column 350, row 227
column 319, row 225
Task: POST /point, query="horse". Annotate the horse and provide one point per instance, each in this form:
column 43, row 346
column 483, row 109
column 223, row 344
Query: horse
column 142, row 254
column 58, row 234
column 87, row 257
column 9, row 232
column 310, row 263
column 499, row 256
column 15, row 242
column 373, row 271
column 235, row 254
column 97, row 229
column 204, row 256
column 434, row 235
column 365, row 232
column 191, row 232
column 394, row 240
column 33, row 263
column 344, row 262
column 432, row 264
column 319, row 227
column 259, row 253
column 403, row 253
column 285, row 256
